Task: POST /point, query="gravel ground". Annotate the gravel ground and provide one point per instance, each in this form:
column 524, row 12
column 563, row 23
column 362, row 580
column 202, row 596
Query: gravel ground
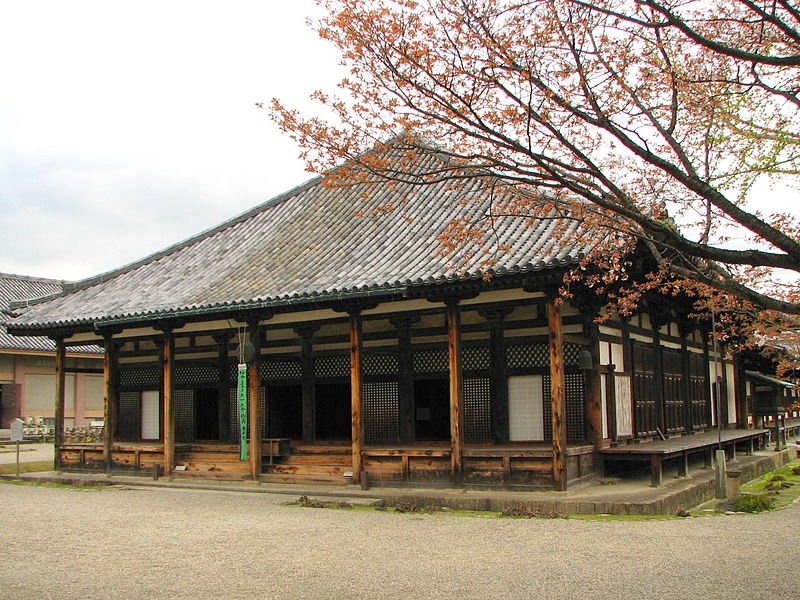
column 156, row 543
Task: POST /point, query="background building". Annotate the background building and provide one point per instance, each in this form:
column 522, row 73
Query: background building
column 27, row 366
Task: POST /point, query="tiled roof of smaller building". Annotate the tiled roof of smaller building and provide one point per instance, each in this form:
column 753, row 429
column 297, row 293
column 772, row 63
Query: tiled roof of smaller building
column 314, row 243
column 19, row 289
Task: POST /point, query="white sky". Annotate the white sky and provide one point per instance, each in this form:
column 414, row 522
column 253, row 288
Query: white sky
column 128, row 126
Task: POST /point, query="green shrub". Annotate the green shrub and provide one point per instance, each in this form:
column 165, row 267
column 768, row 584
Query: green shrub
column 753, row 503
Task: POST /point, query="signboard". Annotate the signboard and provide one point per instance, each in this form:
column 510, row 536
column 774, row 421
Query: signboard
column 16, row 430
column 241, row 395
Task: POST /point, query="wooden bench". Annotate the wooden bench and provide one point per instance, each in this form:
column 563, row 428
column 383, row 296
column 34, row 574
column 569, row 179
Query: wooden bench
column 655, row 452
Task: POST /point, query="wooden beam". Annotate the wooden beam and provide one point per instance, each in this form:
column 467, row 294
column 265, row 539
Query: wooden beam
column 405, row 377
column 167, row 394
column 356, row 341
column 110, row 399
column 592, row 382
column 223, row 386
column 498, row 377
column 254, row 399
column 58, row 437
column 456, row 392
column 309, row 400
column 557, row 394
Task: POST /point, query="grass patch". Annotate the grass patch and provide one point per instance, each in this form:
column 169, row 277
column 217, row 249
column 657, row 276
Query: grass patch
column 26, row 467
column 781, row 485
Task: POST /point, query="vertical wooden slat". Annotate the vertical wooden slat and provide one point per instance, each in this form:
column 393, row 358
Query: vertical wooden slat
column 355, row 392
column 58, row 436
column 456, row 392
column 110, row 399
column 167, row 392
column 254, row 399
column 558, row 395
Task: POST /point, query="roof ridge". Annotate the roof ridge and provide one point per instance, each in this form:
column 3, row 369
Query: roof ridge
column 33, row 278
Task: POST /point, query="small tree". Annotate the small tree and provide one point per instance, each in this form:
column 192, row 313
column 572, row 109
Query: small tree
column 648, row 120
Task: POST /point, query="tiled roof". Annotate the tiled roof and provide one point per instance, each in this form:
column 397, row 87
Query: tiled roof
column 19, row 289
column 308, row 245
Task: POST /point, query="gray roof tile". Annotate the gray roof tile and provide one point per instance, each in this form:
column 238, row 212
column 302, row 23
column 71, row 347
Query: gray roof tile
column 309, row 243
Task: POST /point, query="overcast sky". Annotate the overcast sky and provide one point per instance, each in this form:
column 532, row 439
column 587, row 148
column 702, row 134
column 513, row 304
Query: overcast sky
column 128, row 126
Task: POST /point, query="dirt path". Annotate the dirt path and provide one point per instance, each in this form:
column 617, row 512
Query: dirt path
column 157, row 543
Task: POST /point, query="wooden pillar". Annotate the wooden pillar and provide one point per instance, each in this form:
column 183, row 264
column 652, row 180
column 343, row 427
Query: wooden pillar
column 307, row 373
column 724, row 389
column 58, row 436
column 592, row 381
column 741, row 392
column 167, row 393
column 685, row 329
column 223, row 387
column 405, row 377
column 254, row 400
column 456, row 391
column 498, row 379
column 629, row 367
column 557, row 394
column 355, row 392
column 110, row 398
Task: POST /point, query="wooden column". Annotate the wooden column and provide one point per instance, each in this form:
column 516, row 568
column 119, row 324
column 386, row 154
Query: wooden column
column 592, row 382
column 498, row 379
column 110, row 397
column 405, row 377
column 741, row 392
column 456, row 391
column 254, row 400
column 355, row 392
column 167, row 393
column 686, row 372
column 557, row 394
column 307, row 373
column 223, row 386
column 58, row 437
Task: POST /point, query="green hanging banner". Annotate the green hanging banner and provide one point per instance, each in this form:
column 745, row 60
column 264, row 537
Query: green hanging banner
column 241, row 394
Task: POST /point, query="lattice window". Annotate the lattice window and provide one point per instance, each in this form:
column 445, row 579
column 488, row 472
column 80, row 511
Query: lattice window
column 571, row 352
column 233, row 407
column 576, row 407
column 183, row 403
column 527, row 356
column 140, row 376
column 129, row 415
column 431, row 361
column 475, row 358
column 380, row 364
column 233, row 404
column 189, row 373
column 332, row 365
column 282, row 369
column 381, row 412
column 547, row 409
column 477, row 410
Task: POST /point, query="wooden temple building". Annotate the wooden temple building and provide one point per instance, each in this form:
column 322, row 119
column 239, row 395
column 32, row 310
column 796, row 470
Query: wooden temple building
column 370, row 357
